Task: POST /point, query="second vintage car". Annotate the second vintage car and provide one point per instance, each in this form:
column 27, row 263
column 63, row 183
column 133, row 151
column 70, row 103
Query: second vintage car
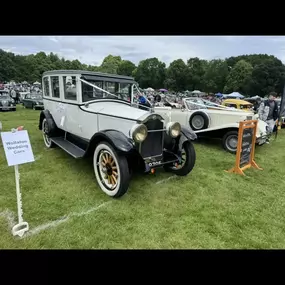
column 7, row 103
column 33, row 101
column 84, row 116
column 213, row 122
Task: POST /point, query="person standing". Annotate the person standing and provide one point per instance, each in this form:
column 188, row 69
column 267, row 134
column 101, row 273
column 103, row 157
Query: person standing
column 268, row 111
column 13, row 94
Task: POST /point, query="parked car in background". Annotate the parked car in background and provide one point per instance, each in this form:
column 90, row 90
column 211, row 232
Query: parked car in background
column 238, row 104
column 22, row 96
column 7, row 103
column 33, row 101
column 222, row 123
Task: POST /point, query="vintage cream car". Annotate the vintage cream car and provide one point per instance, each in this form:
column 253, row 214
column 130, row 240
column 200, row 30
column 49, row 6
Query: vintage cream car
column 214, row 122
column 90, row 113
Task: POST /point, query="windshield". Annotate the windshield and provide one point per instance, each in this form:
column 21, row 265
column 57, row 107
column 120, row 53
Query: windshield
column 4, row 96
column 36, row 97
column 115, row 90
column 195, row 104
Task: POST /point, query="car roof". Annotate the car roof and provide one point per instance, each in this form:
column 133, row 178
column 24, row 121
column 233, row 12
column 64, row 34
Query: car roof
column 85, row 72
column 237, row 101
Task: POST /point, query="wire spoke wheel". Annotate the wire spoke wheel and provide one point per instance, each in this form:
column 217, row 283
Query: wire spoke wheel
column 45, row 129
column 108, row 169
column 111, row 170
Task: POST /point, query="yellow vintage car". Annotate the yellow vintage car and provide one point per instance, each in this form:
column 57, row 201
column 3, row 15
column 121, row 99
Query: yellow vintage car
column 238, row 104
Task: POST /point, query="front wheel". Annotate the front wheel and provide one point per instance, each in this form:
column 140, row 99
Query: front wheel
column 230, row 141
column 111, row 170
column 188, row 159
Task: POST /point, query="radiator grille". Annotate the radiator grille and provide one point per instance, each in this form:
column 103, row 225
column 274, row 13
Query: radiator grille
column 153, row 144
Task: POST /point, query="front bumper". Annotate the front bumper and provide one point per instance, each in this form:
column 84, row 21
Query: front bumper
column 7, row 108
column 262, row 139
column 167, row 158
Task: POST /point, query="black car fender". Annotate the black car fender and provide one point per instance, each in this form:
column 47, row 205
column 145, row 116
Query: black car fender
column 117, row 139
column 186, row 134
column 51, row 123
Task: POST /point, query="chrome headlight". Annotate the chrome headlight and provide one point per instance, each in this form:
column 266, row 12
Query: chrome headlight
column 13, row 101
column 173, row 129
column 139, row 133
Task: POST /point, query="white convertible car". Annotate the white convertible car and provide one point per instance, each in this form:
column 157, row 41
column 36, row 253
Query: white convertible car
column 213, row 121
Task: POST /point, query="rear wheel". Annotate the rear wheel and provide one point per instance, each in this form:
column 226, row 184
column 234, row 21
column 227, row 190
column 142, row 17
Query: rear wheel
column 45, row 129
column 188, row 159
column 230, row 141
column 111, row 170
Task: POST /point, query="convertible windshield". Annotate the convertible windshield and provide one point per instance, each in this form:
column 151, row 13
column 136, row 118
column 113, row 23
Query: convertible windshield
column 195, row 104
column 106, row 90
column 4, row 96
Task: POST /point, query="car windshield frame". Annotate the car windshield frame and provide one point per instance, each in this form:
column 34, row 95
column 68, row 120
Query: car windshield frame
column 38, row 97
column 4, row 96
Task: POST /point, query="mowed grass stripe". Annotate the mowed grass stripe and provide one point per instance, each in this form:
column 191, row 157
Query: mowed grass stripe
column 207, row 209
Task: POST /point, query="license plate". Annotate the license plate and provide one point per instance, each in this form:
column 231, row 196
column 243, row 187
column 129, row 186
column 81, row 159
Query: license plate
column 5, row 108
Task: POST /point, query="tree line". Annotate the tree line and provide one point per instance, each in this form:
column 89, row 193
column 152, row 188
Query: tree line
column 254, row 74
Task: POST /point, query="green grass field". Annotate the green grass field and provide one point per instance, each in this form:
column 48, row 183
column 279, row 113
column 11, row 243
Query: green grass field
column 207, row 209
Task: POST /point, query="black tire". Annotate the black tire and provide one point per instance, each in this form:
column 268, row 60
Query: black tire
column 117, row 160
column 47, row 140
column 189, row 163
column 203, row 125
column 227, row 145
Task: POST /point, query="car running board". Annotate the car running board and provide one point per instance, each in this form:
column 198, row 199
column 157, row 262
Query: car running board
column 69, row 147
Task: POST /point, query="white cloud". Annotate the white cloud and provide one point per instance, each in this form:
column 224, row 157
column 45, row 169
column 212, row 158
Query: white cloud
column 93, row 49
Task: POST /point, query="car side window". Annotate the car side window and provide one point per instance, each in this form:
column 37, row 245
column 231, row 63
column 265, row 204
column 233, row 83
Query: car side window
column 231, row 105
column 46, row 87
column 28, row 96
column 69, row 85
column 55, row 86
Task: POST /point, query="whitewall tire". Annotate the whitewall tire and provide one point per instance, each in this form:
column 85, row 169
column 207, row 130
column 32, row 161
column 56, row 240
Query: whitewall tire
column 111, row 170
column 47, row 140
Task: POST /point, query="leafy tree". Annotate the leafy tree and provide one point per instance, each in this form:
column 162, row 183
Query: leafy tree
column 126, row 67
column 196, row 71
column 267, row 77
column 239, row 78
column 150, row 73
column 110, row 64
column 176, row 76
column 250, row 74
column 215, row 75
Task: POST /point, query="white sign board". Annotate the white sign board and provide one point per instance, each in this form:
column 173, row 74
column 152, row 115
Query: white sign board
column 17, row 147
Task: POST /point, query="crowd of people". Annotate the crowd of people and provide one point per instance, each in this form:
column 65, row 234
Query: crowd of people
column 14, row 90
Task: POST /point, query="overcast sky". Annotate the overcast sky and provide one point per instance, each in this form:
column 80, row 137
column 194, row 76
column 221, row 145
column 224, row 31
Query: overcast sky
column 93, row 49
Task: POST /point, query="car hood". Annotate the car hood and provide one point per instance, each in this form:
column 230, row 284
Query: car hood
column 6, row 99
column 118, row 110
